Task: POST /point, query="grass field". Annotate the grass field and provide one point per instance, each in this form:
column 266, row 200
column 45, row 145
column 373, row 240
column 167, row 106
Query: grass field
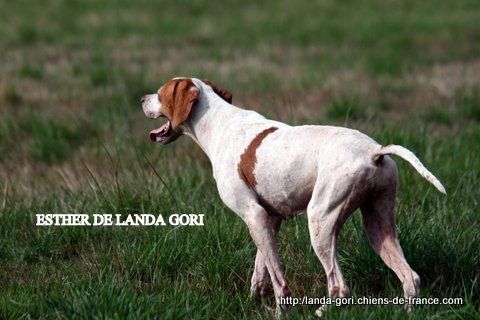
column 73, row 139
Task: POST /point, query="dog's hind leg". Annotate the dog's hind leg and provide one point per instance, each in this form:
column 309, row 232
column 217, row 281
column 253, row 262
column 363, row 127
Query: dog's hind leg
column 379, row 224
column 331, row 204
column 324, row 229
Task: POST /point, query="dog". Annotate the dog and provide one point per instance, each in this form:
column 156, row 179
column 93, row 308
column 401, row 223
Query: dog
column 267, row 171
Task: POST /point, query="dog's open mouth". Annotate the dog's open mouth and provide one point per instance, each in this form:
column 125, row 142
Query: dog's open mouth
column 164, row 134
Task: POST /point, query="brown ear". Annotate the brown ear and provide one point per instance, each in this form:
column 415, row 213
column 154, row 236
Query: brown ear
column 227, row 96
column 179, row 96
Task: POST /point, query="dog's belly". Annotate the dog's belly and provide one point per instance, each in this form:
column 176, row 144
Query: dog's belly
column 286, row 203
column 285, row 179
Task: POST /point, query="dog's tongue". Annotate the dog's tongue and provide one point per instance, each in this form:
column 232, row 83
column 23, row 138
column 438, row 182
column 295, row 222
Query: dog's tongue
column 159, row 132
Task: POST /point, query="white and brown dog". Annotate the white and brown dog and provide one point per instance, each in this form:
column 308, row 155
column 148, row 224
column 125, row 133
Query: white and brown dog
column 267, row 171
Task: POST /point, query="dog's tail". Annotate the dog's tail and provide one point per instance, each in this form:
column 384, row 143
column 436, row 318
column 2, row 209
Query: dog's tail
column 412, row 159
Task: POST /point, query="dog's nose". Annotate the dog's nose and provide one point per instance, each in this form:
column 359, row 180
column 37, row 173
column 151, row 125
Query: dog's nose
column 142, row 99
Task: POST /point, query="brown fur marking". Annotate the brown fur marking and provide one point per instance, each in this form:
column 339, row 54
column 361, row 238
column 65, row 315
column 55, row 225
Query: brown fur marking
column 178, row 98
column 226, row 95
column 248, row 159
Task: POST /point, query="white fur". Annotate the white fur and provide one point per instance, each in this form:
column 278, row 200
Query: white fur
column 326, row 171
column 151, row 106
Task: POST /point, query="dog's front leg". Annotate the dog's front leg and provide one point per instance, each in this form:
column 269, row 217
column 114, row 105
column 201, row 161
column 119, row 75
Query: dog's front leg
column 259, row 225
column 260, row 276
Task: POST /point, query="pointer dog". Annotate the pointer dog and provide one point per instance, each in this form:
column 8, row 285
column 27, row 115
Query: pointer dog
column 267, row 171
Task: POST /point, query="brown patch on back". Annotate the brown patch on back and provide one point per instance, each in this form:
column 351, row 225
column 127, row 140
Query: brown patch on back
column 249, row 158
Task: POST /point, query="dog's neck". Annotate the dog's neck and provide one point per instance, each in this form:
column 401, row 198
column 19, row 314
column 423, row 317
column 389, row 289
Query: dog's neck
column 209, row 119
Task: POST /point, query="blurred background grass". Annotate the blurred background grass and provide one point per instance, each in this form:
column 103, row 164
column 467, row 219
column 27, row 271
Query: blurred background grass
column 73, row 138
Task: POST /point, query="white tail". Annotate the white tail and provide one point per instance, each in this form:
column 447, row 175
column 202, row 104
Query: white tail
column 413, row 160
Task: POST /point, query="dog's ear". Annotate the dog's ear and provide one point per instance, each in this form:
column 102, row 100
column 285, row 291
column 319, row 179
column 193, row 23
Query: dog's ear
column 227, row 96
column 179, row 97
column 186, row 97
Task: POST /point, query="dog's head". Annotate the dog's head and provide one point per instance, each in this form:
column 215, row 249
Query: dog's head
column 174, row 101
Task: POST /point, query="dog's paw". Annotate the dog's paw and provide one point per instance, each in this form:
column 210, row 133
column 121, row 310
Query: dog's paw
column 320, row 311
column 409, row 308
column 260, row 289
column 282, row 309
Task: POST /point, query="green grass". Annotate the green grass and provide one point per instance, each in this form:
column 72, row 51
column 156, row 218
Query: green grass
column 346, row 109
column 73, row 139
column 34, row 71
